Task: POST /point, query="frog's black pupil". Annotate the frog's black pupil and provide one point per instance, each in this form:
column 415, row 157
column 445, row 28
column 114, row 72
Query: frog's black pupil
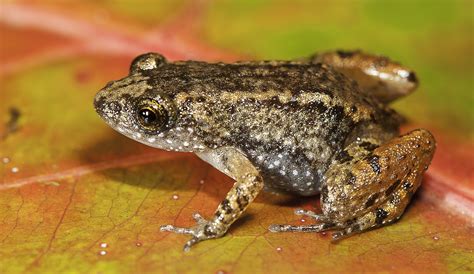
column 148, row 116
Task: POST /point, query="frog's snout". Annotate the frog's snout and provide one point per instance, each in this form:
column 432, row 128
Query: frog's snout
column 99, row 101
column 104, row 106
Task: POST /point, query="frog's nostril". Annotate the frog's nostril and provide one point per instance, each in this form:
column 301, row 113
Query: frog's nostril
column 109, row 84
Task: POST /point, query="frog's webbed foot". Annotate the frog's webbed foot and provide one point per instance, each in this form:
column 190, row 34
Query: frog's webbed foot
column 203, row 230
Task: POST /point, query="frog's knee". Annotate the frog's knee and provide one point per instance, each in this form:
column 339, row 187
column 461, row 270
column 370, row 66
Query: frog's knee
column 424, row 138
column 419, row 145
column 376, row 75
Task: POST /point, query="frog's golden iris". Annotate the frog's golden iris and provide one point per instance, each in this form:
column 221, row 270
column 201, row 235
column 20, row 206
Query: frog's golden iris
column 151, row 115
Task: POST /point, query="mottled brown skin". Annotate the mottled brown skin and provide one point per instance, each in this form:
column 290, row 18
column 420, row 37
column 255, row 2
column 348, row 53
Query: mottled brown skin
column 319, row 125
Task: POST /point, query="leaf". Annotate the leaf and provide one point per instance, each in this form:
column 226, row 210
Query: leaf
column 85, row 199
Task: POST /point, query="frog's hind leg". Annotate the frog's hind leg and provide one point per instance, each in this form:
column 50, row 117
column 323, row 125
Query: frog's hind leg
column 376, row 75
column 375, row 190
column 369, row 186
column 323, row 224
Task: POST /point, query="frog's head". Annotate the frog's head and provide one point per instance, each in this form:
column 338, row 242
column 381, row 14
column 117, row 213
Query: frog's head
column 133, row 107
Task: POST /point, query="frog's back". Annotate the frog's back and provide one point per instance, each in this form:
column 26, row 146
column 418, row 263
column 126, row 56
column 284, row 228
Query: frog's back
column 289, row 118
column 292, row 82
column 251, row 77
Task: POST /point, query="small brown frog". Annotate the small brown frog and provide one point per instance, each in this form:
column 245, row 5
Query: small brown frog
column 317, row 125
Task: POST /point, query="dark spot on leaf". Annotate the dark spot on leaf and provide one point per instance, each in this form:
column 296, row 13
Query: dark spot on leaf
column 83, row 77
column 11, row 125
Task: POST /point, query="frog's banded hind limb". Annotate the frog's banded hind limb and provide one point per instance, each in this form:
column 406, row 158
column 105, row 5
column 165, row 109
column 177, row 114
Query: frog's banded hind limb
column 247, row 186
column 376, row 75
column 370, row 186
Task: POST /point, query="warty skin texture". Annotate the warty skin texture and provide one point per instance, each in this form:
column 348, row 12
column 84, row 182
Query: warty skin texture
column 294, row 126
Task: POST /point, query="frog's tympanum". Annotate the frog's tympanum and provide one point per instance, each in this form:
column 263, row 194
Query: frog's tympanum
column 315, row 125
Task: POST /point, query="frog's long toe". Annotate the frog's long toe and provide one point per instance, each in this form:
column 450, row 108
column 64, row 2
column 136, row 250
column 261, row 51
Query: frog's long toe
column 323, row 225
column 301, row 228
column 311, row 214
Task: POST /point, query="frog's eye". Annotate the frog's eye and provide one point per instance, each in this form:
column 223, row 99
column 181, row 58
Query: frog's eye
column 146, row 62
column 152, row 115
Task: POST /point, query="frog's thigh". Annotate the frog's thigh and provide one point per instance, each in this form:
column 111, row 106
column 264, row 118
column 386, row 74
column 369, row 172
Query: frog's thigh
column 374, row 191
column 376, row 75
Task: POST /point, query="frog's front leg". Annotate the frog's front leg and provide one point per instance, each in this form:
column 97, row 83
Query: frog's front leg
column 369, row 185
column 247, row 186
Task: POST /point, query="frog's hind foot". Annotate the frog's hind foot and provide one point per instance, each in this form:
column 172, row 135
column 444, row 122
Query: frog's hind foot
column 301, row 228
column 383, row 214
column 322, row 226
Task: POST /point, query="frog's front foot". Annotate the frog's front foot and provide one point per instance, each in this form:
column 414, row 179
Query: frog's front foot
column 203, row 230
column 319, row 227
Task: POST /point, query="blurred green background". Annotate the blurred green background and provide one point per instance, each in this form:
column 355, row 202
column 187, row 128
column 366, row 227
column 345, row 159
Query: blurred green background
column 435, row 38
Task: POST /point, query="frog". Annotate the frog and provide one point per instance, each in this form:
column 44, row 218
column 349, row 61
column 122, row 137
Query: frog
column 319, row 125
